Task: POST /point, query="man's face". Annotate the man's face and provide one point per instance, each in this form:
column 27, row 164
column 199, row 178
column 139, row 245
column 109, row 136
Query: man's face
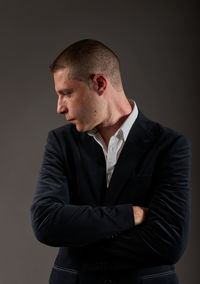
column 76, row 101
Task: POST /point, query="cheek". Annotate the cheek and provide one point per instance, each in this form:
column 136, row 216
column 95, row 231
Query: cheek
column 86, row 114
column 80, row 111
column 85, row 110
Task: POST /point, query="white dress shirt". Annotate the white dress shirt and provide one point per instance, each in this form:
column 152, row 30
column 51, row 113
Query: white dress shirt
column 116, row 141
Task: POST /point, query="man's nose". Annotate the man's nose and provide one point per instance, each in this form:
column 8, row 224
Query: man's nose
column 61, row 106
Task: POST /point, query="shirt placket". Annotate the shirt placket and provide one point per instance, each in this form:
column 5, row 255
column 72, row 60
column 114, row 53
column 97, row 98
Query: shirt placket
column 111, row 157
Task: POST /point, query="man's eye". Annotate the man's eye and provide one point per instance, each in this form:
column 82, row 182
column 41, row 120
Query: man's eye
column 68, row 94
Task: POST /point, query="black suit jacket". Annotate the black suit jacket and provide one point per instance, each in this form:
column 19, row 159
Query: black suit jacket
column 94, row 225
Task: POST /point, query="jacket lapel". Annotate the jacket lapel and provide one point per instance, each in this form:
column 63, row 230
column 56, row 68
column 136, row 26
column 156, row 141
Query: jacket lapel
column 137, row 143
column 92, row 166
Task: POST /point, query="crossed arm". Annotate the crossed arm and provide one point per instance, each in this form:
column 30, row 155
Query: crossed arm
column 158, row 233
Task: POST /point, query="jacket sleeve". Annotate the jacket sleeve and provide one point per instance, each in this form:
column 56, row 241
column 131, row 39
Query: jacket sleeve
column 58, row 223
column 164, row 234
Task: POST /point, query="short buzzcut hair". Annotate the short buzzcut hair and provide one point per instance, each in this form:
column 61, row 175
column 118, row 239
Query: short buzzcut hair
column 86, row 58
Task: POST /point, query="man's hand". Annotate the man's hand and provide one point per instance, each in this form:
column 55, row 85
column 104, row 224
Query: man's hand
column 139, row 214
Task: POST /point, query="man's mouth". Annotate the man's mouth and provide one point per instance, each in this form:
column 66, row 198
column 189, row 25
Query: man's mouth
column 71, row 119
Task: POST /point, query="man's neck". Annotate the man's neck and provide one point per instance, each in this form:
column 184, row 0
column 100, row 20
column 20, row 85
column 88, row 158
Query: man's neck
column 107, row 132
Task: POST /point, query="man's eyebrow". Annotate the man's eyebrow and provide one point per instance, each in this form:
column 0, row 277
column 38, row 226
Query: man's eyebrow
column 62, row 91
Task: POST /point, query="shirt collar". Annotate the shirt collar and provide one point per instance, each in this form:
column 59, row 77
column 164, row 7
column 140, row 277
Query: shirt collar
column 126, row 126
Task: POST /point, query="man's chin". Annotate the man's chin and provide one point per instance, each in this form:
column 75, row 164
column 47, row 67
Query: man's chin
column 80, row 128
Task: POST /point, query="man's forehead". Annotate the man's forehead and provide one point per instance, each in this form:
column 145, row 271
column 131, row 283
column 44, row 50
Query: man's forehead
column 61, row 80
column 61, row 74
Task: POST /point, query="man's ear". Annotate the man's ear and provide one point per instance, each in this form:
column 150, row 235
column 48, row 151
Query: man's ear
column 99, row 83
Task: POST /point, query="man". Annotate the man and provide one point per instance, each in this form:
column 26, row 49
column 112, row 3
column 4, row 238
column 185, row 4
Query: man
column 113, row 189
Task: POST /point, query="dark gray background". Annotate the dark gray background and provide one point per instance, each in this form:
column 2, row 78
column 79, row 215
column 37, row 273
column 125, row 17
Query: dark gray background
column 156, row 42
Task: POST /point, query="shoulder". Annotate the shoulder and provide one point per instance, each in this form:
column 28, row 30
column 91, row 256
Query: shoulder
column 63, row 130
column 164, row 135
column 66, row 134
column 173, row 136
